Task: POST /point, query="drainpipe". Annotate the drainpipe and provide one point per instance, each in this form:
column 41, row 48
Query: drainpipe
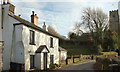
column 2, row 17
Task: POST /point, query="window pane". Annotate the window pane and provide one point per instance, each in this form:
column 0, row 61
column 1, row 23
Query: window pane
column 32, row 36
column 51, row 59
column 51, row 42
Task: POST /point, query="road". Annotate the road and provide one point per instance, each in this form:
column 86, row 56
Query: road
column 80, row 66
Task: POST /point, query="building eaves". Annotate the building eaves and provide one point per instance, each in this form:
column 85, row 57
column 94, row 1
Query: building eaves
column 29, row 24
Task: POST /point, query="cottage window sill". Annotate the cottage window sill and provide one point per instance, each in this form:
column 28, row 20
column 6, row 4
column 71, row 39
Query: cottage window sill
column 32, row 43
column 51, row 47
column 32, row 68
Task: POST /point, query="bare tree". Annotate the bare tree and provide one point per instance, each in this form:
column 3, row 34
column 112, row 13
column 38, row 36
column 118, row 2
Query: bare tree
column 96, row 21
column 52, row 31
column 77, row 29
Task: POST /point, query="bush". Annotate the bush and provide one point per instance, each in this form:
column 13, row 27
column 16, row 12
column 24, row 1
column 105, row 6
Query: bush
column 56, row 65
column 53, row 66
column 106, row 63
column 103, row 61
column 106, row 60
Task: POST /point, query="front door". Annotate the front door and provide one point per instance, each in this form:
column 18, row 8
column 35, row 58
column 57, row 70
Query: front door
column 45, row 61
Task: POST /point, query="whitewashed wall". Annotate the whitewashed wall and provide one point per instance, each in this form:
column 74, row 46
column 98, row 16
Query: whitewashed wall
column 7, row 37
column 63, row 55
column 1, row 55
column 119, row 7
column 38, row 60
column 119, row 10
column 19, row 48
column 40, row 39
column 0, row 23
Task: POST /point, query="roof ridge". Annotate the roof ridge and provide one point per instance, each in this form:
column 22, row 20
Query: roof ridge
column 27, row 23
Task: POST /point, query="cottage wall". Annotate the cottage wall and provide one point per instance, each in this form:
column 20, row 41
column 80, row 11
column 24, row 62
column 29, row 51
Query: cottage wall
column 40, row 39
column 1, row 55
column 7, row 37
column 63, row 55
column 18, row 45
column 0, row 23
column 38, row 60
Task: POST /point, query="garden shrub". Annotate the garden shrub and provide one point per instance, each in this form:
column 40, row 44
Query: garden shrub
column 106, row 62
column 53, row 66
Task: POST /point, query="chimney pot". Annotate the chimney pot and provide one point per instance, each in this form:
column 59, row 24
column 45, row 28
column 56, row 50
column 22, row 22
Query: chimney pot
column 44, row 23
column 19, row 15
column 34, row 18
column 8, row 1
column 33, row 12
column 44, row 26
column 4, row 1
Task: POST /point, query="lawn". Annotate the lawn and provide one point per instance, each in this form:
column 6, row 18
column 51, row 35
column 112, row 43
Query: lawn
column 109, row 53
column 79, row 61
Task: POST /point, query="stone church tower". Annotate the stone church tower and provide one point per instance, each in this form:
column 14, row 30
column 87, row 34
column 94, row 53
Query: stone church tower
column 114, row 21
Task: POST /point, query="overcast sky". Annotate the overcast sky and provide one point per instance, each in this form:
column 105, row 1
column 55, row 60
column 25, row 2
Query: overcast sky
column 61, row 14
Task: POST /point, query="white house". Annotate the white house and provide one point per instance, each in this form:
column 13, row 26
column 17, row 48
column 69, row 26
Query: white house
column 26, row 45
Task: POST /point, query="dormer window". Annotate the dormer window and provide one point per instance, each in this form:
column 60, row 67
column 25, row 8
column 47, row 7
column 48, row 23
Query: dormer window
column 32, row 37
column 51, row 42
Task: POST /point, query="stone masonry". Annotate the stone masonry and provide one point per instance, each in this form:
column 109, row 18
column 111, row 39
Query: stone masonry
column 1, row 58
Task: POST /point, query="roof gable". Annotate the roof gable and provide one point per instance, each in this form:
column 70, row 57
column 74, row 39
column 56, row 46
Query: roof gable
column 62, row 49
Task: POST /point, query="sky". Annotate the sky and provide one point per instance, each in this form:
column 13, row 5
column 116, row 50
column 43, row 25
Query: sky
column 61, row 14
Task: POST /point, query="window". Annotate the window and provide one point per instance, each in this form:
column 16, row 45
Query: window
column 32, row 37
column 51, row 42
column 51, row 59
column 31, row 61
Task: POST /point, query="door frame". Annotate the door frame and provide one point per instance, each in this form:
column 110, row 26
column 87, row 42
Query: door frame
column 45, row 55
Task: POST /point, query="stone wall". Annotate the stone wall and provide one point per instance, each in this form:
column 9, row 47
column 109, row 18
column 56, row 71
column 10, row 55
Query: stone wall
column 1, row 51
column 114, row 21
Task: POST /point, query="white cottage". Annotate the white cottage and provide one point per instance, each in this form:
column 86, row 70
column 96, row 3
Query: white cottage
column 26, row 45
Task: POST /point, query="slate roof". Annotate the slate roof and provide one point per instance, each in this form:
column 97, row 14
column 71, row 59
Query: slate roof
column 40, row 49
column 29, row 24
column 62, row 49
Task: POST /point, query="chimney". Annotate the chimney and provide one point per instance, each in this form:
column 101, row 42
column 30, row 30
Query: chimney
column 34, row 18
column 4, row 1
column 8, row 1
column 44, row 26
